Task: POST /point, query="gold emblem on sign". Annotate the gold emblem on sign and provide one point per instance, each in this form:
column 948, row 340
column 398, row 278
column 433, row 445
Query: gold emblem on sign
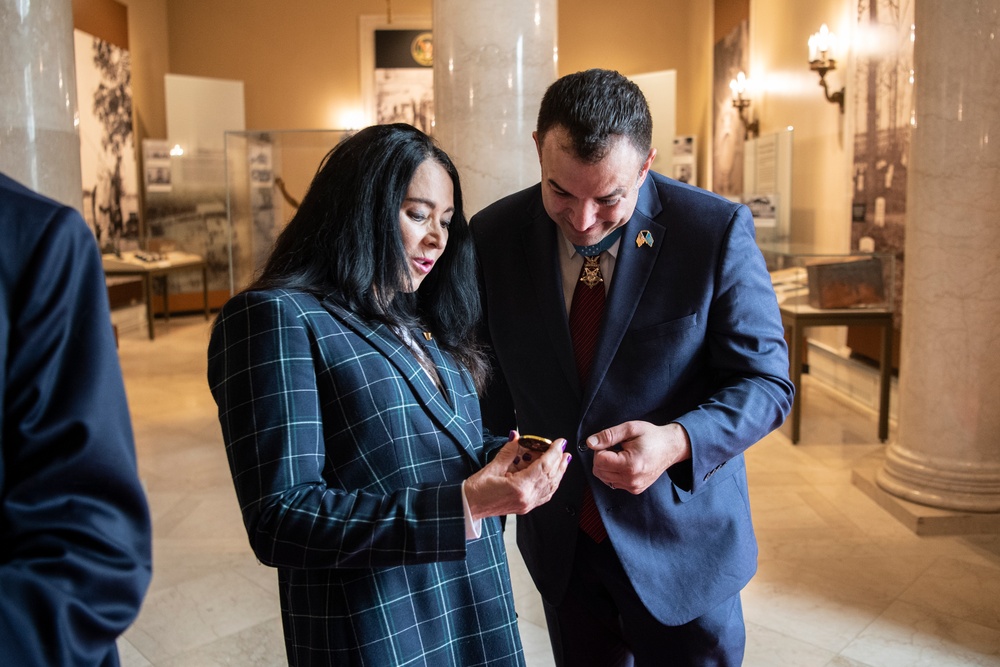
column 422, row 49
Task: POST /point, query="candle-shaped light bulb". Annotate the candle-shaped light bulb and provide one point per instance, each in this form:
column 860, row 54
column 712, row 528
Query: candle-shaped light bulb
column 825, row 41
column 738, row 85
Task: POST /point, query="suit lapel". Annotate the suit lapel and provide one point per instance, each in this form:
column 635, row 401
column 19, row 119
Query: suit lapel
column 632, row 269
column 540, row 247
column 633, row 266
column 448, row 418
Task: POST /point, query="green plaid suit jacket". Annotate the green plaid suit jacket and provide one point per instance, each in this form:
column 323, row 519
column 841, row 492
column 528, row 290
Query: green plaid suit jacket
column 348, row 463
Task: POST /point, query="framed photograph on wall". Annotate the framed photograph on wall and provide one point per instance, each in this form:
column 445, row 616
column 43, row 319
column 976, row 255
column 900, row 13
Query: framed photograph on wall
column 397, row 73
column 685, row 159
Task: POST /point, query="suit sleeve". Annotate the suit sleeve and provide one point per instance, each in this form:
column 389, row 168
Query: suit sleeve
column 747, row 358
column 262, row 373
column 75, row 553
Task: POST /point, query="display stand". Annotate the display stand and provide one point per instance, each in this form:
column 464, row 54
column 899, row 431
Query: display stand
column 129, row 264
column 796, row 318
column 832, row 290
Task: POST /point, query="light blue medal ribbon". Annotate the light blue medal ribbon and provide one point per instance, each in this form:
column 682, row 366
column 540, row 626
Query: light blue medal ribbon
column 600, row 246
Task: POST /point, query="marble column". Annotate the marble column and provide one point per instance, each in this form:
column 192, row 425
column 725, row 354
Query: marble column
column 492, row 64
column 39, row 144
column 947, row 453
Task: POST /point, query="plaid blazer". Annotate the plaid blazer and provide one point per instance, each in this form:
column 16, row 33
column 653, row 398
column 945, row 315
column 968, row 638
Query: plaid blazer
column 348, row 463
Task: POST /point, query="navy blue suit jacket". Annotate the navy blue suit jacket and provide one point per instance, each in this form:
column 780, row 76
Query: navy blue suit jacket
column 74, row 526
column 692, row 335
column 348, row 464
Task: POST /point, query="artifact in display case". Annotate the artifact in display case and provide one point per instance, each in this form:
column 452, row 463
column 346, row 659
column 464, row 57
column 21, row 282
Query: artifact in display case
column 846, row 284
column 267, row 174
column 833, row 290
column 821, row 281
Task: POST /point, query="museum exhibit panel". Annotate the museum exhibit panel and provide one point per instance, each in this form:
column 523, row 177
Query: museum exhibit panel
column 267, row 175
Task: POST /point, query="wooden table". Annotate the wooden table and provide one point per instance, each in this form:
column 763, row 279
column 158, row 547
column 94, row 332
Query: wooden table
column 797, row 316
column 130, row 265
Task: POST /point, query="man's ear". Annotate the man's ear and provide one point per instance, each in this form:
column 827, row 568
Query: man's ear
column 646, row 166
column 538, row 145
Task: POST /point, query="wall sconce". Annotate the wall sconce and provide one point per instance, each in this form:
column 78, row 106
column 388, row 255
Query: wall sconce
column 741, row 103
column 822, row 49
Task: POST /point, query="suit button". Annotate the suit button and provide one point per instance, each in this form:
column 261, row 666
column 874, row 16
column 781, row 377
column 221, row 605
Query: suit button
column 570, row 510
column 581, row 447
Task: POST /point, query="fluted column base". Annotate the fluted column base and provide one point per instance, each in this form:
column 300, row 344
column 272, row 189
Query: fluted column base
column 937, row 482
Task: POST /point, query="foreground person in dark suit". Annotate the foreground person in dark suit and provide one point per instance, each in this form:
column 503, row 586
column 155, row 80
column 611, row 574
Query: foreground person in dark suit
column 642, row 552
column 346, row 383
column 75, row 548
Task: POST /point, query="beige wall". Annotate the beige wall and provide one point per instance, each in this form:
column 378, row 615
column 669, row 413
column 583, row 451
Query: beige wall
column 299, row 61
column 791, row 96
column 300, row 65
column 149, row 48
column 646, row 36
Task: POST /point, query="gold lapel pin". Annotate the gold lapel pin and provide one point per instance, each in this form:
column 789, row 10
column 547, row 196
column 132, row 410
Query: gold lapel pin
column 428, row 335
column 644, row 238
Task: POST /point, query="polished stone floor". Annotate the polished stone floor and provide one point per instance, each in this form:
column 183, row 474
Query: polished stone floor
column 840, row 582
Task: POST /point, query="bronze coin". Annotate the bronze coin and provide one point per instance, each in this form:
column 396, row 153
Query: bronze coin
column 535, row 443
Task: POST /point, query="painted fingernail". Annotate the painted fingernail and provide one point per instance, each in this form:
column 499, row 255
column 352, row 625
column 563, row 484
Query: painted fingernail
column 564, row 445
column 512, row 434
column 527, row 456
column 569, row 457
column 517, row 459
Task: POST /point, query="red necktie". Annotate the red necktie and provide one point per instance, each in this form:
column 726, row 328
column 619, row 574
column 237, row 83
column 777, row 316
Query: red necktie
column 585, row 314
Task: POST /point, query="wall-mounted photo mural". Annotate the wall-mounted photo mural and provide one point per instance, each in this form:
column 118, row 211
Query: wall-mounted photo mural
column 107, row 145
column 883, row 116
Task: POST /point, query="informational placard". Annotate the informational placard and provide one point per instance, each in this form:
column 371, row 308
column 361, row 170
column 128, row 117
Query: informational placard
column 767, row 182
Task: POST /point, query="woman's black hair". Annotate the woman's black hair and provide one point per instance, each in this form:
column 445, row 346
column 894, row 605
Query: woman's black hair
column 344, row 243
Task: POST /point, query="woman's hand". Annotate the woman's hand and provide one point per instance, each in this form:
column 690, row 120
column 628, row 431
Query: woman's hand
column 516, row 481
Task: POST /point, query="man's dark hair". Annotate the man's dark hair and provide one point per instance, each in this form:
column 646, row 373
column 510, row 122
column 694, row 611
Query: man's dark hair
column 595, row 107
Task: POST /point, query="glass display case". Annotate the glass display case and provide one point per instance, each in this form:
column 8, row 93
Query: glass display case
column 840, row 290
column 185, row 215
column 806, row 280
column 267, row 174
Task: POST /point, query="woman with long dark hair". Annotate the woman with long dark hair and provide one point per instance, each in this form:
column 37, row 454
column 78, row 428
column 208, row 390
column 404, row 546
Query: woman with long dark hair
column 346, row 379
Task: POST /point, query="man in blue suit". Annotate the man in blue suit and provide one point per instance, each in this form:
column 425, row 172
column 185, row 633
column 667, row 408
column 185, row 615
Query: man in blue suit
column 634, row 315
column 75, row 553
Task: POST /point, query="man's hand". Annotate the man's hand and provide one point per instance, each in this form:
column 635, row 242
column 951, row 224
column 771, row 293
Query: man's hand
column 503, row 487
column 633, row 455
